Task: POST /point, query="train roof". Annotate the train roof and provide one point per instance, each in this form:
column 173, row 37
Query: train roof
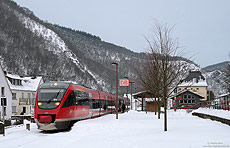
column 65, row 85
column 56, row 84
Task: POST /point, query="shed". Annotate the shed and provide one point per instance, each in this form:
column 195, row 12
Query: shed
column 148, row 100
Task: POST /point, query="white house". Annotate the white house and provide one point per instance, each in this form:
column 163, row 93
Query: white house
column 6, row 95
column 23, row 93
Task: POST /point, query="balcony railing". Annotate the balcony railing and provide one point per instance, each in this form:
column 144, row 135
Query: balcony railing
column 26, row 101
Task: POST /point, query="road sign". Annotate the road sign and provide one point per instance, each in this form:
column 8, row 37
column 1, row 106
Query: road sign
column 123, row 82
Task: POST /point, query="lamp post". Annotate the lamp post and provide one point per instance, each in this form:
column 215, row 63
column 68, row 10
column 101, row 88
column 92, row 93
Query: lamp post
column 127, row 95
column 116, row 89
column 131, row 94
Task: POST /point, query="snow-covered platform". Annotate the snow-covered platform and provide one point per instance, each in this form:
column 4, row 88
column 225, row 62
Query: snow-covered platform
column 133, row 129
column 214, row 112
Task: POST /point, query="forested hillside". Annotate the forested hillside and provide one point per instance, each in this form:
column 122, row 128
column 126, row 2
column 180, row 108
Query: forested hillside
column 30, row 46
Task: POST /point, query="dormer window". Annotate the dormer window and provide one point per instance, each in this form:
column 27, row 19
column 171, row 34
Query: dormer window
column 16, row 82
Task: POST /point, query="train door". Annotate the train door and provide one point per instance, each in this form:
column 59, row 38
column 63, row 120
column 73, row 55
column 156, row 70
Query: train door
column 99, row 103
column 91, row 105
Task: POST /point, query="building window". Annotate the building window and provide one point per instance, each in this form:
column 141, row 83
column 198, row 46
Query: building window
column 33, row 95
column 193, row 101
column 189, row 96
column 29, row 95
column 197, row 88
column 14, row 96
column 14, row 109
column 4, row 110
column 185, row 101
column 22, row 95
column 3, row 91
column 189, row 101
column 185, row 96
column 181, row 101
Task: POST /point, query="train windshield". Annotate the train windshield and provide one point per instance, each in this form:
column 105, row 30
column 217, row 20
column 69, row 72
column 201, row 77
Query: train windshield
column 50, row 94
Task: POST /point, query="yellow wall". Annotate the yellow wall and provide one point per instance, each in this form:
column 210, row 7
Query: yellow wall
column 200, row 90
column 19, row 107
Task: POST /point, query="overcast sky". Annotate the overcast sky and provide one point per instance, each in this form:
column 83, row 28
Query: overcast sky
column 201, row 26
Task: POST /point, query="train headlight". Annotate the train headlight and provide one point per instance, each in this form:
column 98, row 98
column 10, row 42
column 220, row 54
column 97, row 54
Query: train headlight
column 57, row 103
column 39, row 103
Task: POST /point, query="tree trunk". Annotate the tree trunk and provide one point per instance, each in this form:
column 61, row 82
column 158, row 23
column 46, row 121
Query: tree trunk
column 165, row 114
column 159, row 108
column 155, row 106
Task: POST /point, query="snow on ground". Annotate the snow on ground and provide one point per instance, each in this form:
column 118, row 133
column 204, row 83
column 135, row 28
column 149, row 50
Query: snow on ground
column 215, row 112
column 131, row 130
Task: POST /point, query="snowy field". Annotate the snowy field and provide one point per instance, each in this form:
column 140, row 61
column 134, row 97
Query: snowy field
column 131, row 130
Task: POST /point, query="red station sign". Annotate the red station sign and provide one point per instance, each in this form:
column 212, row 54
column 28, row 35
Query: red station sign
column 123, row 82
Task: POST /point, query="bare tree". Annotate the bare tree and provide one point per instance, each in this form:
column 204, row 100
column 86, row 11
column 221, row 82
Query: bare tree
column 162, row 71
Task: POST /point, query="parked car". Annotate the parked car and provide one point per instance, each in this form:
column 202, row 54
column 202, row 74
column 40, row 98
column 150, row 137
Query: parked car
column 227, row 107
column 185, row 107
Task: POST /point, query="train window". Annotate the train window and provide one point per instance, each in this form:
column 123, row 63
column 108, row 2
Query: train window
column 96, row 104
column 82, row 98
column 111, row 104
column 103, row 104
column 70, row 101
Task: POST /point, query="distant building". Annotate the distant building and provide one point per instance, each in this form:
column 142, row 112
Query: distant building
column 223, row 99
column 23, row 93
column 192, row 90
column 6, row 95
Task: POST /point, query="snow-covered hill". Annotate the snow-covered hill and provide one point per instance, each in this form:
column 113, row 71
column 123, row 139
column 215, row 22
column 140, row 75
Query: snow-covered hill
column 30, row 46
column 215, row 80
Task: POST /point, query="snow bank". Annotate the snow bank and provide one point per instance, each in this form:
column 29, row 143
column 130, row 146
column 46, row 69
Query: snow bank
column 214, row 112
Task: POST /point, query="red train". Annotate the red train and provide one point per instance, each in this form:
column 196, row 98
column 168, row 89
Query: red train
column 58, row 105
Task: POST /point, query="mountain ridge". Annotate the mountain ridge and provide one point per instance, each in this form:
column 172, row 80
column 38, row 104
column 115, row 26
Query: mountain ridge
column 30, row 46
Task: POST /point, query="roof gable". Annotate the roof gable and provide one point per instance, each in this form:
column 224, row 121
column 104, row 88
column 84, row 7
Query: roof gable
column 187, row 91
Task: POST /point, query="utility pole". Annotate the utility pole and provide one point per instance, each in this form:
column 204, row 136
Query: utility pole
column 116, row 89
column 131, row 94
column 127, row 95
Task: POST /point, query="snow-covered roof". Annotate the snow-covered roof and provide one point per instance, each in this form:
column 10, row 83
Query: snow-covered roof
column 28, row 83
column 194, row 78
column 13, row 76
column 223, row 95
column 192, row 83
